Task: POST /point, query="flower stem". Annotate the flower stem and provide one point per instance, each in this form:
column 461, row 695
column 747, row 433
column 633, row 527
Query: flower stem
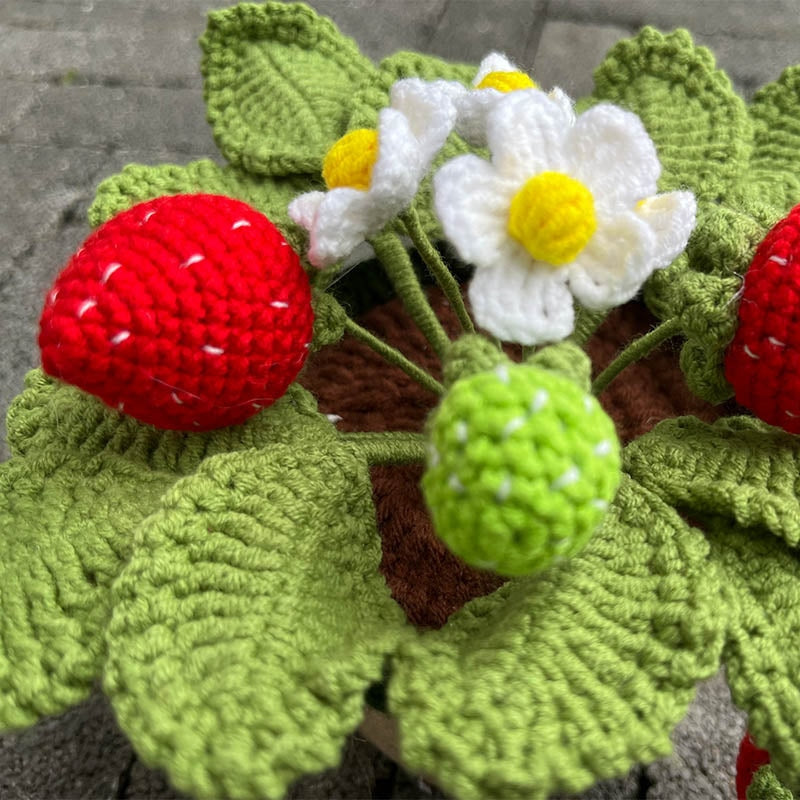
column 393, row 356
column 636, row 351
column 392, row 254
column 430, row 255
column 388, row 447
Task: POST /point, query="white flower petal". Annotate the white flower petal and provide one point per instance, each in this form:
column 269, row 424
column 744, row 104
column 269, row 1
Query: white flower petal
column 566, row 103
column 522, row 302
column 615, row 263
column 671, row 217
column 494, row 62
column 610, row 151
column 430, row 110
column 526, row 131
column 339, row 227
column 471, row 201
column 303, row 209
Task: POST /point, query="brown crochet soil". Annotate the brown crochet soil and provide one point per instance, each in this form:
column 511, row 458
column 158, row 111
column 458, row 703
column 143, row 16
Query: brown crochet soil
column 368, row 394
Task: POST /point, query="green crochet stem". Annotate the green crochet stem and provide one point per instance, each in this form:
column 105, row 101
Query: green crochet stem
column 388, row 447
column 393, row 356
column 439, row 270
column 397, row 263
column 636, row 351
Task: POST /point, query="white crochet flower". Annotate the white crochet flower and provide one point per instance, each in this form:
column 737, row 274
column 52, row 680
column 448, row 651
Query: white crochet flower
column 565, row 207
column 496, row 77
column 373, row 175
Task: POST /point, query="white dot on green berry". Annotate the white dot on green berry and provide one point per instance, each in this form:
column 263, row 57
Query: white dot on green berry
column 461, row 431
column 433, row 456
column 602, row 448
column 601, row 505
column 502, row 373
column 503, row 490
column 513, row 425
column 455, row 484
column 588, row 404
column 568, row 478
column 539, row 400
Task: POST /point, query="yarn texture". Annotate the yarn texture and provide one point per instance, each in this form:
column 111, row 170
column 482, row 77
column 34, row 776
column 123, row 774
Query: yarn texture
column 227, row 587
column 521, row 468
column 186, row 312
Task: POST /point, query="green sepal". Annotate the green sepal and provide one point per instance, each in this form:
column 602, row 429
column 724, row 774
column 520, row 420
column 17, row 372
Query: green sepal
column 329, row 320
column 80, row 479
column 570, row 676
column 765, row 786
column 251, row 620
column 701, row 288
column 762, row 650
column 137, row 183
column 278, row 83
column 738, row 468
column 375, row 95
column 775, row 162
column 699, row 125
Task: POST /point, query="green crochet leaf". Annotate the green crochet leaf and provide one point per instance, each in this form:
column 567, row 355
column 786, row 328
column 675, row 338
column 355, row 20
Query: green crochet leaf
column 738, row 468
column 137, row 183
column 558, row 680
column 279, row 83
column 775, row 163
column 81, row 478
column 765, row 786
column 374, row 95
column 251, row 620
column 699, row 125
column 762, row 651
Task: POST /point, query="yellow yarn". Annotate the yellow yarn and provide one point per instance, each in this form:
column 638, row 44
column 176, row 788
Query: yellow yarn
column 351, row 159
column 507, row 81
column 552, row 217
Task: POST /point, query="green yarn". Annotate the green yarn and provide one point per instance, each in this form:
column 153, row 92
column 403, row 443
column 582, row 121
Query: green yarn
column 762, row 649
column 278, row 85
column 251, row 620
column 775, row 163
column 570, row 676
column 698, row 124
column 137, row 183
column 469, row 355
column 330, row 320
column 765, row 786
column 567, row 359
column 522, row 466
column 81, row 479
column 739, row 468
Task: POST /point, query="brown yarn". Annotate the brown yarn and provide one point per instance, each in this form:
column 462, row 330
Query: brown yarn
column 352, row 381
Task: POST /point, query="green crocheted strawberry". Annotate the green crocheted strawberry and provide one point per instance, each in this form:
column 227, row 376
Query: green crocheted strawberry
column 522, row 466
column 763, row 361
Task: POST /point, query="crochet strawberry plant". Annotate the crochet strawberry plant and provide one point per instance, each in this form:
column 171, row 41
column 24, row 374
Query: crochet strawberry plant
column 224, row 584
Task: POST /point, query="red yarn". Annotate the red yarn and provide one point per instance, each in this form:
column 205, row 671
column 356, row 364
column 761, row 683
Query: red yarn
column 763, row 361
column 750, row 759
column 188, row 312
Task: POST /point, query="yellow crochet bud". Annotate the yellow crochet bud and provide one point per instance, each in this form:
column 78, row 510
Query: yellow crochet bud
column 350, row 161
column 552, row 217
column 507, row 81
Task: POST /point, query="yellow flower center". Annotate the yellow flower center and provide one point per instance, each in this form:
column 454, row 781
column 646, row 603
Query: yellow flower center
column 552, row 217
column 507, row 81
column 350, row 161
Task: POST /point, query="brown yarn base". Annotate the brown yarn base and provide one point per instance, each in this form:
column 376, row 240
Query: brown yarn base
column 352, row 381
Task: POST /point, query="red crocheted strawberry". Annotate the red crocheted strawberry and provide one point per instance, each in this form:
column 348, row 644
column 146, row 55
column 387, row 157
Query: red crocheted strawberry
column 188, row 312
column 763, row 360
column 750, row 759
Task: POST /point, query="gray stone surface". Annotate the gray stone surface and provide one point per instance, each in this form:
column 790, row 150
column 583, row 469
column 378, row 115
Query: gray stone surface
column 89, row 85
